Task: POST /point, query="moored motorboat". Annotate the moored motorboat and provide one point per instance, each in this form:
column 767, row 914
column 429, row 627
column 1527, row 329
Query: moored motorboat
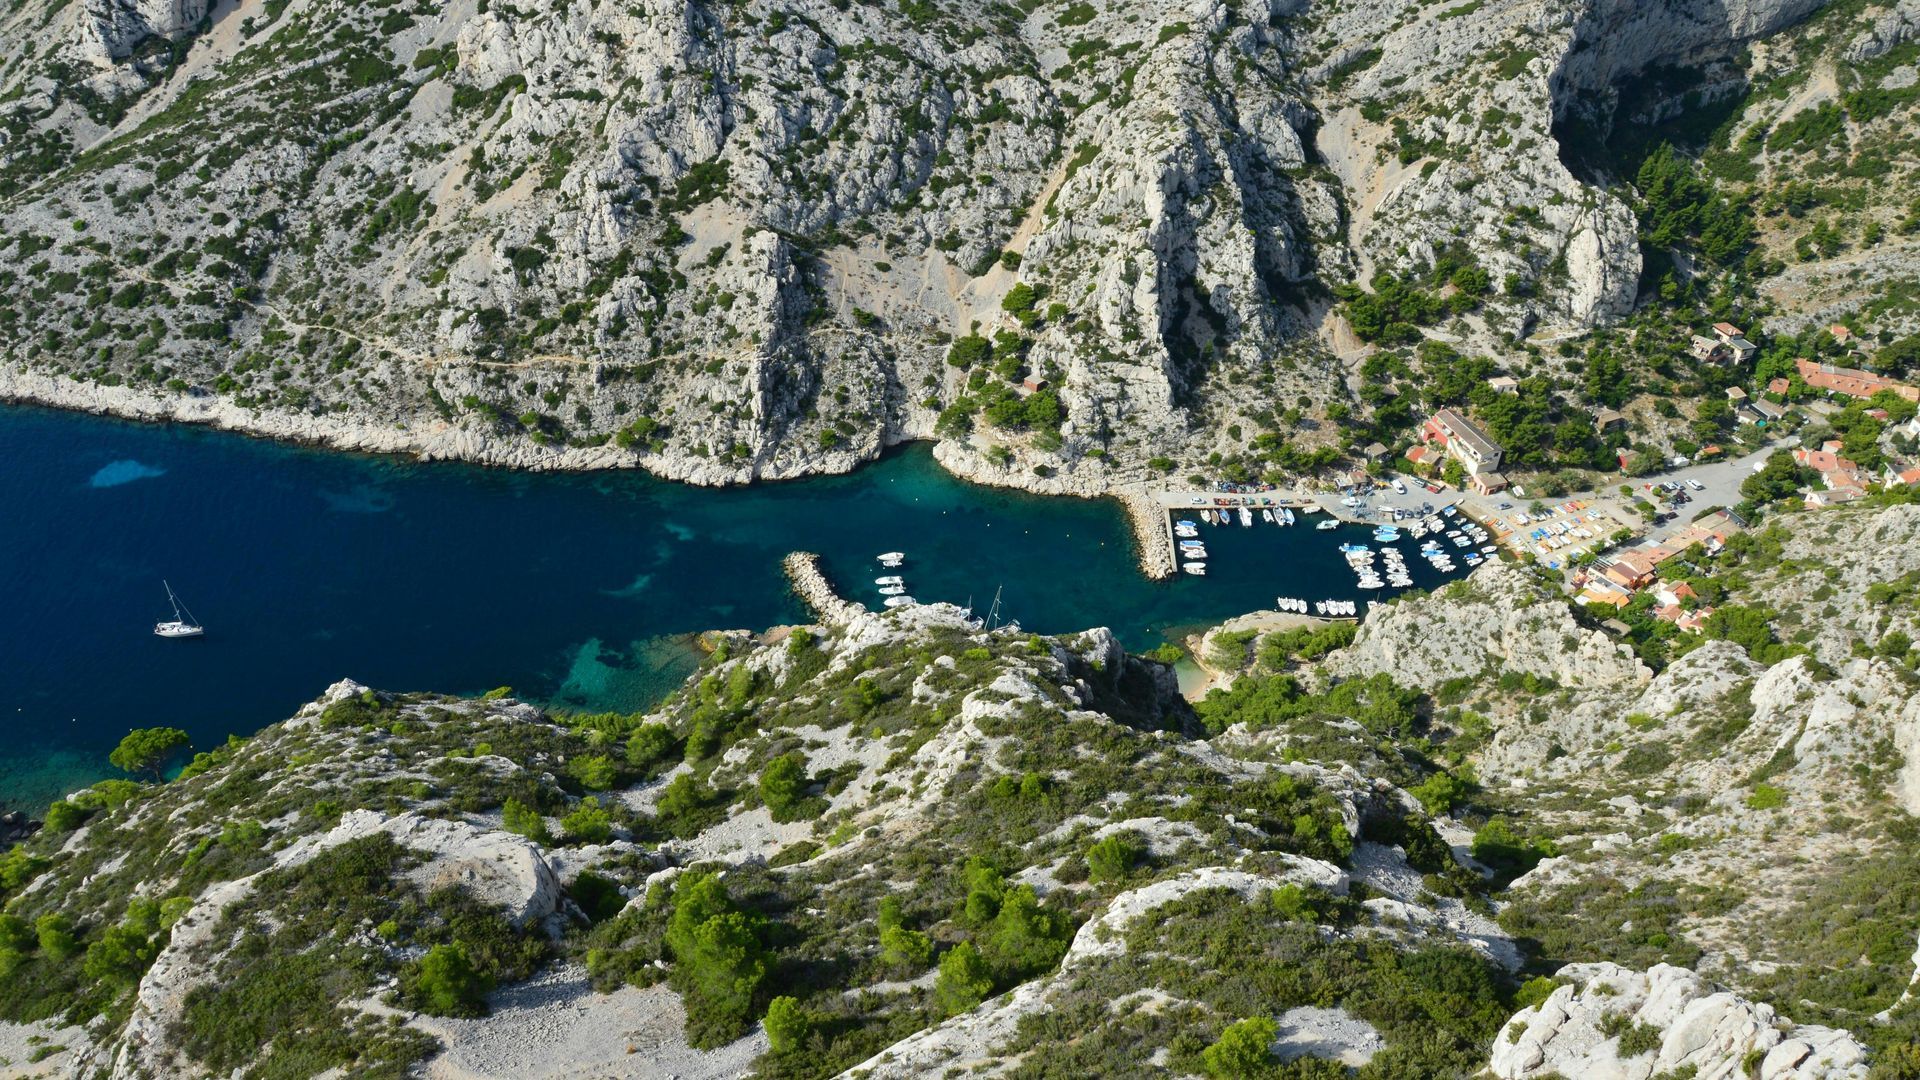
column 900, row 601
column 1197, row 569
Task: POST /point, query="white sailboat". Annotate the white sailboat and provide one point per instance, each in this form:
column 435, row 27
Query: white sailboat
column 180, row 626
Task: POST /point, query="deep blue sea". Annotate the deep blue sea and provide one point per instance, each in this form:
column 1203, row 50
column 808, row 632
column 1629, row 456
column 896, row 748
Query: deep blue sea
column 576, row 589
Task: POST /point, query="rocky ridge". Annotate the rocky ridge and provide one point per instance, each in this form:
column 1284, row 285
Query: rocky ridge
column 1054, row 806
column 724, row 244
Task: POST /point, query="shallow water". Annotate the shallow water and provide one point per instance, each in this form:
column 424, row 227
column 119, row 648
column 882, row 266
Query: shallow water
column 576, row 589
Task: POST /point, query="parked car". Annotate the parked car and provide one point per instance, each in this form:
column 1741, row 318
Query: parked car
column 1398, row 486
column 1696, row 485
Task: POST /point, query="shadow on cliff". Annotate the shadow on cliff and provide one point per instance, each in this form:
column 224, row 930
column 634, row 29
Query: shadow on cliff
column 1636, row 74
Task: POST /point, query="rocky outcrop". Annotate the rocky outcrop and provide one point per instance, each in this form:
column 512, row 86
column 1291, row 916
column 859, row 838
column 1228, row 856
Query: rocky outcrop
column 107, row 31
column 1500, row 619
column 1578, row 1031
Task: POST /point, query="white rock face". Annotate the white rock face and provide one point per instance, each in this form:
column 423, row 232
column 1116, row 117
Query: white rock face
column 533, row 228
column 1713, row 1031
column 1502, row 619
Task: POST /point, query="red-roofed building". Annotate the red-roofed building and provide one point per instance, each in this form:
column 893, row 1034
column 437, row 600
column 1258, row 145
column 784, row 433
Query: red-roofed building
column 1851, row 381
column 1909, row 478
column 1778, row 386
column 1634, row 569
column 1836, row 472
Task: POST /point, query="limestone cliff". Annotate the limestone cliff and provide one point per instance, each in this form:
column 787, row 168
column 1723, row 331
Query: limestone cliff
column 724, row 243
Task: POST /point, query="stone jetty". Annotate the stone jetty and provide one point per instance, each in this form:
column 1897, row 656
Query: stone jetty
column 1153, row 529
column 803, row 569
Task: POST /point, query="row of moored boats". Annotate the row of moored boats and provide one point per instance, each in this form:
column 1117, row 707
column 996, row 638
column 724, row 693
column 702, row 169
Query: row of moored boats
column 1328, row 608
column 893, row 586
column 1193, row 552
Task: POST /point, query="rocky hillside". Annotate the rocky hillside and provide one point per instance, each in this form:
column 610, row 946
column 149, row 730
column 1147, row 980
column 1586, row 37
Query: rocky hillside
column 727, row 241
column 1481, row 835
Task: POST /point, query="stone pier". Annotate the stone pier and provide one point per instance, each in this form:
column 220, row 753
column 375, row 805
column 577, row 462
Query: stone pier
column 803, row 569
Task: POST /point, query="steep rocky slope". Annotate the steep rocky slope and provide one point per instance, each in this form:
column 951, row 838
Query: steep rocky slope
column 1482, row 834
column 727, row 241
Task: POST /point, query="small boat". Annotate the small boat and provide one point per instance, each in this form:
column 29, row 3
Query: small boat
column 1197, row 569
column 891, row 559
column 1490, row 549
column 1354, row 549
column 900, row 601
column 1286, row 515
column 179, row 627
column 893, row 590
column 1330, row 523
column 892, row 580
column 1267, row 516
column 1246, row 518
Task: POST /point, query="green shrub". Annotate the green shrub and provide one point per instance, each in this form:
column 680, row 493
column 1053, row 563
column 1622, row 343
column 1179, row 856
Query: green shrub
column 1498, row 845
column 1114, row 857
column 783, row 785
column 1766, row 797
column 718, row 960
column 65, row 815
column 448, row 984
column 595, row 772
column 651, row 746
column 587, row 823
column 518, row 817
column 1243, row 1050
column 145, row 750
column 787, row 1024
column 55, row 935
column 964, row 982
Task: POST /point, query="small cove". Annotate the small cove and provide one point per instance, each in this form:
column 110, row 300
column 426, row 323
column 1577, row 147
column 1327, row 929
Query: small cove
column 577, row 589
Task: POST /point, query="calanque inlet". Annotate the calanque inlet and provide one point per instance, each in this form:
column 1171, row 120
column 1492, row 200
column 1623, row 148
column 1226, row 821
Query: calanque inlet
column 1242, row 539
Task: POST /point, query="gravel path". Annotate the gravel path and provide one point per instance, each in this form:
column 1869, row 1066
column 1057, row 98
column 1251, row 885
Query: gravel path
column 554, row 1025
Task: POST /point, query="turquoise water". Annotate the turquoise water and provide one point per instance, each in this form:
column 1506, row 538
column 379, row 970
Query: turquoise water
column 575, row 589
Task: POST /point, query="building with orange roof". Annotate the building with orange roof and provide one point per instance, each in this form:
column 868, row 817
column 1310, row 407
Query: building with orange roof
column 1852, row 382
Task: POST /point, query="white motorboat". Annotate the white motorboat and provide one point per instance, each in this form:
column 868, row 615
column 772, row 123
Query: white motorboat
column 893, row 579
column 1267, row 516
column 893, row 590
column 891, row 558
column 1286, row 516
column 1197, row 569
column 900, row 601
column 1246, row 518
column 1330, row 523
column 181, row 626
